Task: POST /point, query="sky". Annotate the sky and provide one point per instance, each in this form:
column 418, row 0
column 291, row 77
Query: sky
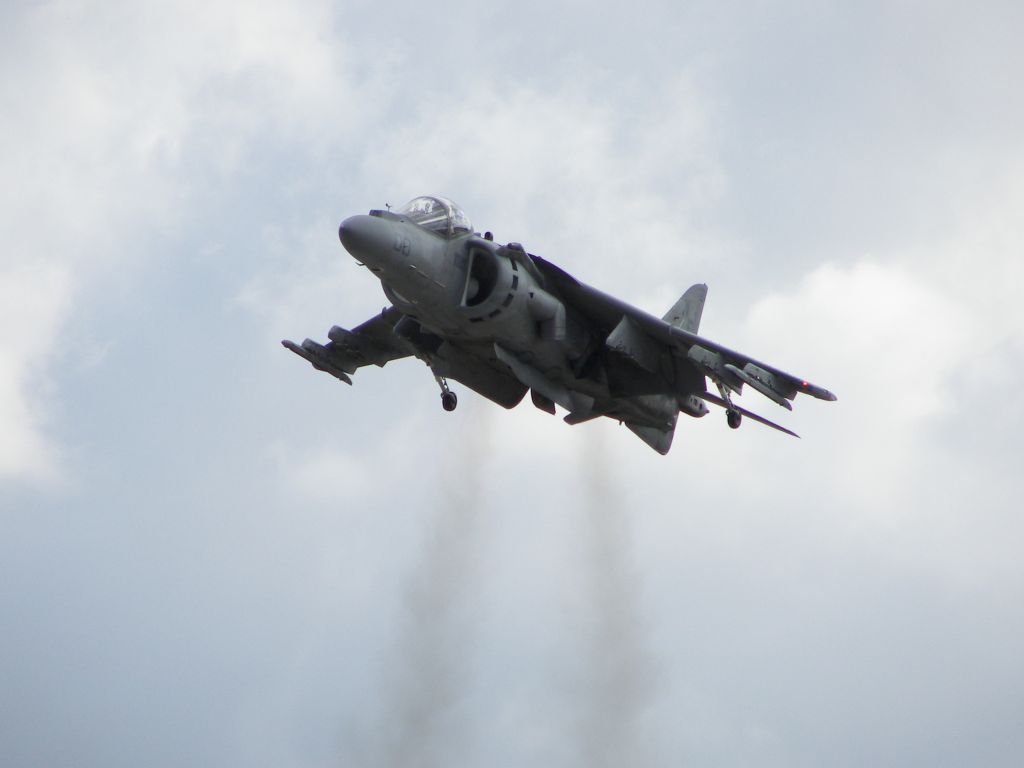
column 210, row 554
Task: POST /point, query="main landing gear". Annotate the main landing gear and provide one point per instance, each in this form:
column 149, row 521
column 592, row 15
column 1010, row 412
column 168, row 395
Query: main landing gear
column 448, row 398
column 732, row 416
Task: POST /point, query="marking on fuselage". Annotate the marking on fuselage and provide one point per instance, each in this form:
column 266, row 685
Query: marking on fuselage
column 402, row 245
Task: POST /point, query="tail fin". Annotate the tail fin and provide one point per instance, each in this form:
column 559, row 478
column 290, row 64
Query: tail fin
column 686, row 312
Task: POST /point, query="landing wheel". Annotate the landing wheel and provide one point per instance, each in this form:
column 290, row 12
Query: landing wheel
column 734, row 418
column 448, row 398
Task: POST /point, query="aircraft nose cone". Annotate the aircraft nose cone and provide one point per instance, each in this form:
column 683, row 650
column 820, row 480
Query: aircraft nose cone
column 348, row 232
column 365, row 237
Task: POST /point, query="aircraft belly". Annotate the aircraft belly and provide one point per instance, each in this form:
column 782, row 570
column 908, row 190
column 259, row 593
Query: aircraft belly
column 531, row 357
column 476, row 367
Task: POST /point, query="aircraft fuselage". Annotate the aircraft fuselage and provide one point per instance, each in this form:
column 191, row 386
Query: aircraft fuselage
column 471, row 291
column 505, row 322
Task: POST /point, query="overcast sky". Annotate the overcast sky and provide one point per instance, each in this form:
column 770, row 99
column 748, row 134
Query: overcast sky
column 210, row 554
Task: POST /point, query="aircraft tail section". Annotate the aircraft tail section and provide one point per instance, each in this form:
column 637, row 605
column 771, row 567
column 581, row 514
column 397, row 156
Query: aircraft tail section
column 686, row 312
column 659, row 439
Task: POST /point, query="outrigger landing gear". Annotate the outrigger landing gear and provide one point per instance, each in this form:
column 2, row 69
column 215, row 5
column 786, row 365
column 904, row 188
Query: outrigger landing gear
column 732, row 415
column 448, row 398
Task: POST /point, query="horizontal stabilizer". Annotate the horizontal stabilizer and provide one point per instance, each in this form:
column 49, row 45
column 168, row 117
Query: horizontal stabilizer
column 659, row 439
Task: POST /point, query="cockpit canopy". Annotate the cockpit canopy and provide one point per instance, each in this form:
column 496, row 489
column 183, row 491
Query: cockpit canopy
column 438, row 214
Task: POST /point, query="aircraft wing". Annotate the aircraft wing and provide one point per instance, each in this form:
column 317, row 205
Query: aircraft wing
column 714, row 360
column 373, row 342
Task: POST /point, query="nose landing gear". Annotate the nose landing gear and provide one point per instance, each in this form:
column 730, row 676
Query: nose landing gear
column 449, row 400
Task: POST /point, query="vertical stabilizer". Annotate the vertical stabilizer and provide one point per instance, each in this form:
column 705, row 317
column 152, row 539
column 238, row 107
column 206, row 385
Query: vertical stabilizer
column 687, row 311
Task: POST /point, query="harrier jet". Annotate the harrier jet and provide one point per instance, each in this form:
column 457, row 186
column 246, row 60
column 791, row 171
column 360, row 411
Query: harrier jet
column 502, row 322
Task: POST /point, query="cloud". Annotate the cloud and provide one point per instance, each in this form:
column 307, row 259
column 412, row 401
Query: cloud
column 889, row 342
column 325, row 474
column 32, row 305
column 788, row 595
column 120, row 118
column 871, row 328
column 558, row 169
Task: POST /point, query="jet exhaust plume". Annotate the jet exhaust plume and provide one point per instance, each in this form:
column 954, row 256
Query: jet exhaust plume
column 433, row 645
column 618, row 666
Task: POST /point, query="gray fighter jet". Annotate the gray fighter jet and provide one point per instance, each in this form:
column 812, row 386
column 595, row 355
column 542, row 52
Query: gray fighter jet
column 503, row 322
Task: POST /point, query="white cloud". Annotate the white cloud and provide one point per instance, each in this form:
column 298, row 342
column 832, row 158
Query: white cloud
column 116, row 114
column 562, row 172
column 881, row 334
column 326, row 474
column 32, row 302
column 888, row 342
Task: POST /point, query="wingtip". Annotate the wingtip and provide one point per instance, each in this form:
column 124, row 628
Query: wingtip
column 817, row 392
